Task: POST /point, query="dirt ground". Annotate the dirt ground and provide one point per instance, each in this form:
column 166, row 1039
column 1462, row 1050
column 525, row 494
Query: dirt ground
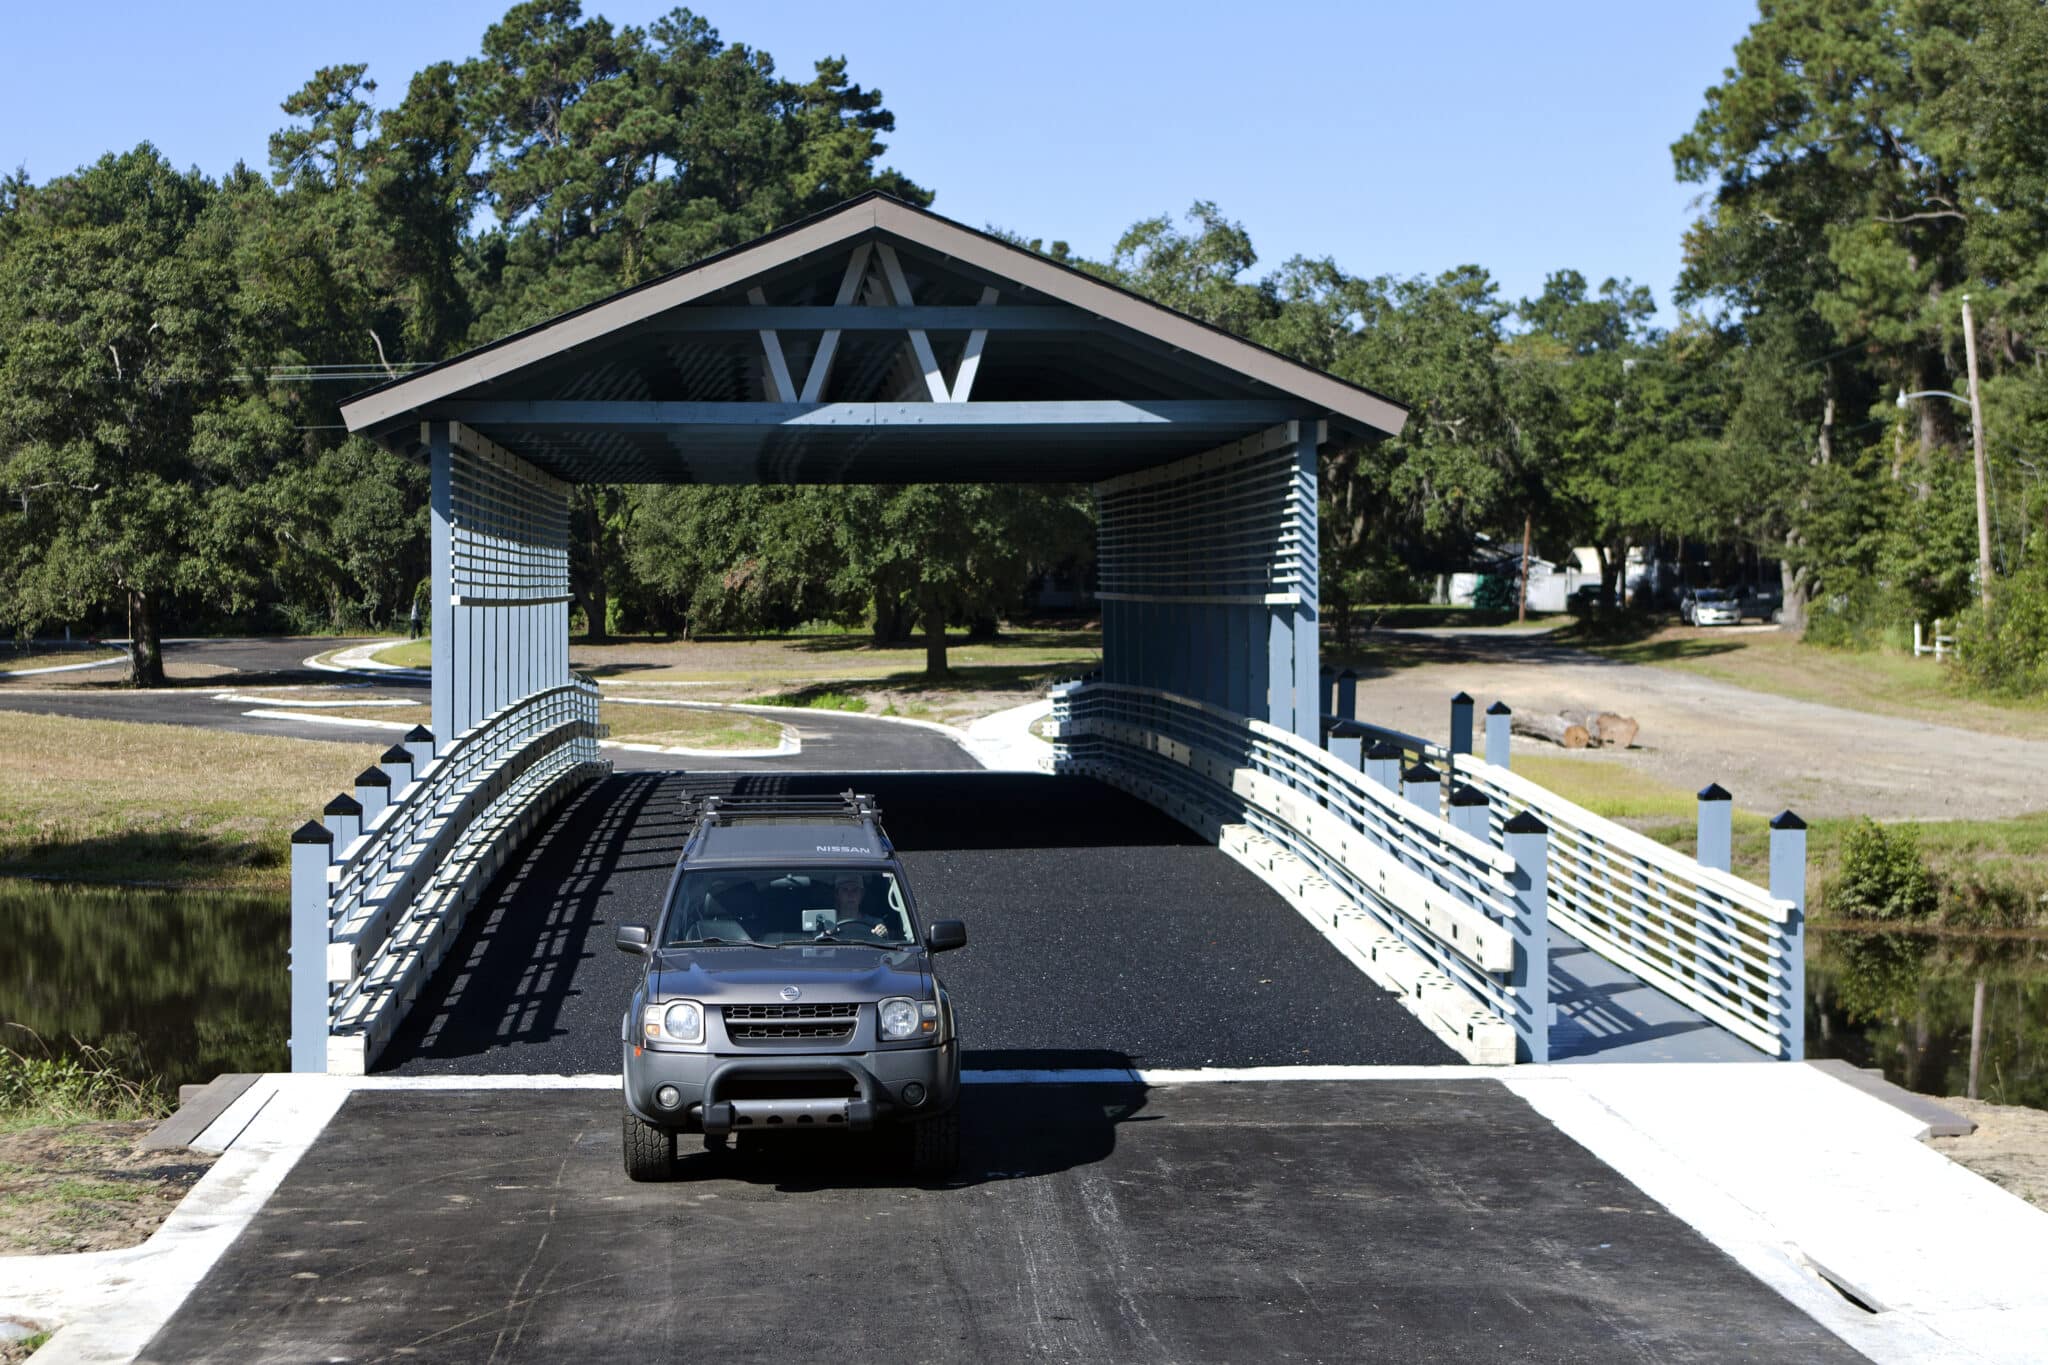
column 86, row 1188
column 2009, row 1148
column 1771, row 752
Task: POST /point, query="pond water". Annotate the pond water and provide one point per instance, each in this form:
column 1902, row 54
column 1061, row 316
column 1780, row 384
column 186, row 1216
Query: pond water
column 176, row 985
column 184, row 985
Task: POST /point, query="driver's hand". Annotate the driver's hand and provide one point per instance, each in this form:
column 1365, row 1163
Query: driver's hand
column 879, row 930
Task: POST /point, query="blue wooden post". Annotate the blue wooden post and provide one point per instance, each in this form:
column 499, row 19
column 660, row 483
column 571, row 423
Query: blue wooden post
column 312, row 853
column 1280, row 667
column 420, row 740
column 1461, row 723
column 1347, row 743
column 441, row 570
column 1715, row 848
column 1469, row 812
column 1526, row 839
column 1788, row 883
column 344, row 818
column 1383, row 764
column 1307, row 635
column 1419, row 787
column 373, row 790
column 1347, row 694
column 1326, row 686
column 1716, row 845
column 396, row 762
column 1236, row 659
column 1497, row 718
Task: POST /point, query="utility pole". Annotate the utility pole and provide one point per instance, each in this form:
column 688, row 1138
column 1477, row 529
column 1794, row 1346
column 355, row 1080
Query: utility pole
column 1983, row 467
column 1522, row 604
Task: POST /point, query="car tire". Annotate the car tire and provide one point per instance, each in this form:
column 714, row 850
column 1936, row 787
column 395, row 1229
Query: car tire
column 934, row 1144
column 650, row 1151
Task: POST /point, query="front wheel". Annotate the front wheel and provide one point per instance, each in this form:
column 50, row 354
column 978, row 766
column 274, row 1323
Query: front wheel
column 934, row 1144
column 650, row 1151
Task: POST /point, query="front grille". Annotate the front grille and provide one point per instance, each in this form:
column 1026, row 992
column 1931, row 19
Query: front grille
column 790, row 1023
column 829, row 1085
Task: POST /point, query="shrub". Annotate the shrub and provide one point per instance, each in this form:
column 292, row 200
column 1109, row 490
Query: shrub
column 1883, row 876
column 1497, row 593
column 2004, row 651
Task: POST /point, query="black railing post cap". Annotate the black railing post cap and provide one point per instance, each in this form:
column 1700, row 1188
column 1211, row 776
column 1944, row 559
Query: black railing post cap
column 1785, row 819
column 1349, row 673
column 312, row 832
column 1500, row 708
column 397, row 753
column 1462, row 699
column 418, row 733
column 1383, row 749
column 1462, row 795
column 343, row 805
column 1714, row 791
column 1352, row 729
column 373, row 777
column 1525, row 822
column 1421, row 772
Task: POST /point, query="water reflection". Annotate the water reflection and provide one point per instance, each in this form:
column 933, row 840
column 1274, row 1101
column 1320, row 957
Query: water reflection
column 1909, row 1004
column 178, row 985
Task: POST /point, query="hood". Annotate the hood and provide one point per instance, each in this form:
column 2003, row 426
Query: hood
column 826, row 974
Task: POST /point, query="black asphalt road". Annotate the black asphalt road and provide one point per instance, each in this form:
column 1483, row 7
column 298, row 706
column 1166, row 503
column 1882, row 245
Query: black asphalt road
column 257, row 663
column 1100, row 933
column 1381, row 1220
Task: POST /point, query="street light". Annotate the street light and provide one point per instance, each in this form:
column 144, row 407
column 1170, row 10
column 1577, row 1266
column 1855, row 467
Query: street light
column 1977, row 440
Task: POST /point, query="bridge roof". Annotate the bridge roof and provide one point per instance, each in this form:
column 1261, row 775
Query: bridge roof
column 876, row 342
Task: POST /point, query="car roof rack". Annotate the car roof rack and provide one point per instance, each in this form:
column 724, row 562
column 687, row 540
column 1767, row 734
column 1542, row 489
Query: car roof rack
column 722, row 810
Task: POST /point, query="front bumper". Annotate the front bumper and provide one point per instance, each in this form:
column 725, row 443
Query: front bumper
column 713, row 1089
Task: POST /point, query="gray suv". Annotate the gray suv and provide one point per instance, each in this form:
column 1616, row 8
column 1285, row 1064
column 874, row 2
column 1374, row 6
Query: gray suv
column 789, row 989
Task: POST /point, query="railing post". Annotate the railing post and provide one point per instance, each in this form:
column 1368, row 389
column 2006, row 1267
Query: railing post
column 1788, row 883
column 1469, row 812
column 420, row 740
column 1347, row 694
column 1383, row 764
column 373, row 790
column 344, row 816
column 1497, row 717
column 396, row 762
column 1326, row 682
column 1419, row 787
column 312, row 852
column 1461, row 723
column 1347, row 743
column 1715, row 848
column 1526, row 839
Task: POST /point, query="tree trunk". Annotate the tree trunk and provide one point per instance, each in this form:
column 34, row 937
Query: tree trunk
column 1522, row 597
column 934, row 634
column 1792, row 581
column 1556, row 729
column 892, row 622
column 145, row 642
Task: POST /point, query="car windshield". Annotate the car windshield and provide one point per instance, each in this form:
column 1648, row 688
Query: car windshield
column 768, row 907
column 1713, row 595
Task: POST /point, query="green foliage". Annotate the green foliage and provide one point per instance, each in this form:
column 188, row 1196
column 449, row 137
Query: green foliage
column 1497, row 593
column 38, row 1088
column 2003, row 651
column 1882, row 876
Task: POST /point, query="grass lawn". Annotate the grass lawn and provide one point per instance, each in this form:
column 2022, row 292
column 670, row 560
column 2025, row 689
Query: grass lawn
column 2011, row 853
column 13, row 660
column 687, row 727
column 102, row 800
column 410, row 654
column 1880, row 682
column 836, row 670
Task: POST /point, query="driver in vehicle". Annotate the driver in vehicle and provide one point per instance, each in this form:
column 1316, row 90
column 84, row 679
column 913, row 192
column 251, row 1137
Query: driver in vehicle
column 849, row 908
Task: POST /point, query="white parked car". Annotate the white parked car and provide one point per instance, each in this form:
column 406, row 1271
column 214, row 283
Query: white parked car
column 1711, row 607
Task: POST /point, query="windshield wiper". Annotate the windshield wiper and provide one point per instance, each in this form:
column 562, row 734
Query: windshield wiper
column 720, row 943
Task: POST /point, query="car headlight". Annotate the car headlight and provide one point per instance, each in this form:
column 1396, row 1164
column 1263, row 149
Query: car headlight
column 677, row 1021
column 902, row 1018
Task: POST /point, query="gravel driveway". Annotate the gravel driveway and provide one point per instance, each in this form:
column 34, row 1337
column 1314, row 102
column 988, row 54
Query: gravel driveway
column 1771, row 752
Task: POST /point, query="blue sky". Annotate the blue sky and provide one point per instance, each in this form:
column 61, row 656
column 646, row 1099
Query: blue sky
column 1398, row 139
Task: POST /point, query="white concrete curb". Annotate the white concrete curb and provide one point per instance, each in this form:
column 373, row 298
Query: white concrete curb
column 1004, row 740
column 351, row 722
column 107, row 662
column 356, row 660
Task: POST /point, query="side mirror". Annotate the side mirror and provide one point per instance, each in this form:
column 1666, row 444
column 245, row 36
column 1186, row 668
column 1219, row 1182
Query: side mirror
column 630, row 938
column 944, row 935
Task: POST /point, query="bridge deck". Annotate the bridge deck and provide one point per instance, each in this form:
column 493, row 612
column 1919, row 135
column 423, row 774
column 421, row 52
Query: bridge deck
column 1101, row 934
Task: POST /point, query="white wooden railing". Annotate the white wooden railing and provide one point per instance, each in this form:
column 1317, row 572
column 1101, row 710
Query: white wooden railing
column 380, row 889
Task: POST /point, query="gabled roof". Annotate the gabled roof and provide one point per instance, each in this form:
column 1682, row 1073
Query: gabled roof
column 684, row 342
